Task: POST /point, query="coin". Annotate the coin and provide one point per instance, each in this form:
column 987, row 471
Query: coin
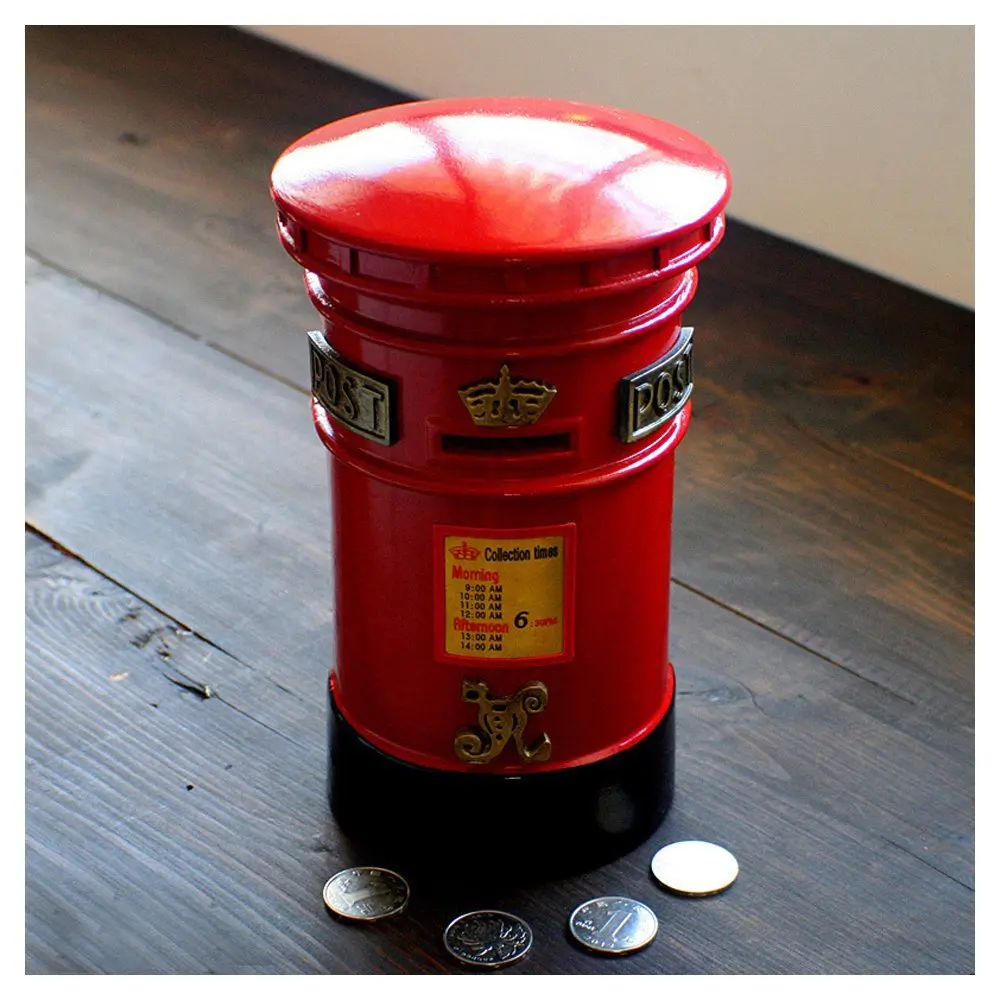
column 613, row 925
column 488, row 938
column 694, row 868
column 366, row 893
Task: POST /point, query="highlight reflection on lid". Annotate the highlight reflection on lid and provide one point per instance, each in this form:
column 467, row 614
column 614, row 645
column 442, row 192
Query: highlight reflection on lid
column 500, row 178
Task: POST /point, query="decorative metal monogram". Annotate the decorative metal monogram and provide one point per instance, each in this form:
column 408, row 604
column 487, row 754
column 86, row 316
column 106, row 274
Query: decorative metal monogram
column 357, row 400
column 507, row 402
column 650, row 398
column 501, row 720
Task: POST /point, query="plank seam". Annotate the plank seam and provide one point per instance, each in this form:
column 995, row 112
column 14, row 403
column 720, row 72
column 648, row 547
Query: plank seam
column 844, row 451
column 933, row 480
column 189, row 682
column 924, row 861
column 788, row 639
column 169, row 324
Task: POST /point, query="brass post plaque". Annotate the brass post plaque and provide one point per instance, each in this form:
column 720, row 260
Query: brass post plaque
column 358, row 401
column 650, row 398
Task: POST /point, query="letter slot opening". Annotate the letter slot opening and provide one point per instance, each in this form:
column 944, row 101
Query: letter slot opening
column 544, row 444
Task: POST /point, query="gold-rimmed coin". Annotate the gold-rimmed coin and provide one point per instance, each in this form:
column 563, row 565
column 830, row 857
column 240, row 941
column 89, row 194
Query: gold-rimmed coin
column 366, row 893
column 694, row 868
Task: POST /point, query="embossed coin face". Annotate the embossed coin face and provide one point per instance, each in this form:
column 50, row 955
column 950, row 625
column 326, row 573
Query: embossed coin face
column 488, row 938
column 613, row 925
column 366, row 893
column 694, row 868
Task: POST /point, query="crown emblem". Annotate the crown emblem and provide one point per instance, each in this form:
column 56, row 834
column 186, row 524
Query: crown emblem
column 507, row 402
column 465, row 552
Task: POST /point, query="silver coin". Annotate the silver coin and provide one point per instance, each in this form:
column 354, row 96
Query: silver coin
column 613, row 925
column 694, row 868
column 366, row 893
column 488, row 938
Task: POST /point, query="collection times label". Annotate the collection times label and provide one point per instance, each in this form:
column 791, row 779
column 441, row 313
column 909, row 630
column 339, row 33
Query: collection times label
column 505, row 595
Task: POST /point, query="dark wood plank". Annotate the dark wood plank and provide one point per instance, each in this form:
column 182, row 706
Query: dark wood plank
column 855, row 559
column 203, row 510
column 147, row 178
column 138, row 167
column 183, row 473
column 167, row 833
column 875, row 367
column 174, row 834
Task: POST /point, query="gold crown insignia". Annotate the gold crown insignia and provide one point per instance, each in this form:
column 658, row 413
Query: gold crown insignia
column 507, row 402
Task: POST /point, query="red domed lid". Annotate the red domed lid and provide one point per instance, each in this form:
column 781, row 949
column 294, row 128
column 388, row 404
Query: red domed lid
column 500, row 179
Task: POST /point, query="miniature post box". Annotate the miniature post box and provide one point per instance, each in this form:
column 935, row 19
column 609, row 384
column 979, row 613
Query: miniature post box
column 501, row 377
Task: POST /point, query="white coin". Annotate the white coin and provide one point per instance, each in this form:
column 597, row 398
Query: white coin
column 694, row 868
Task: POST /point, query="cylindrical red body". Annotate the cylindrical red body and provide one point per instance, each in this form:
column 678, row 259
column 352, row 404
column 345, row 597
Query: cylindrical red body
column 501, row 379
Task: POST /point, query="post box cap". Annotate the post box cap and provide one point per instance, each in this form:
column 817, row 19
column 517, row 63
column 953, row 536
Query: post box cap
column 485, row 181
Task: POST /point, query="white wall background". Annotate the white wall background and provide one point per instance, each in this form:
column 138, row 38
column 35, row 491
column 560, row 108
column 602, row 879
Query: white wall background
column 855, row 140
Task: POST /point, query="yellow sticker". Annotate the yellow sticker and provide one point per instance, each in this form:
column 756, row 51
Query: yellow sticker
column 506, row 595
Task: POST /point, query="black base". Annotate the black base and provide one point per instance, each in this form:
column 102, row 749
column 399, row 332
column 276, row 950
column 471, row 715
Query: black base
column 546, row 823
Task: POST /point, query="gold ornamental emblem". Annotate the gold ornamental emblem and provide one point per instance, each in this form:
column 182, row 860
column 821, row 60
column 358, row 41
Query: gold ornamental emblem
column 502, row 719
column 507, row 402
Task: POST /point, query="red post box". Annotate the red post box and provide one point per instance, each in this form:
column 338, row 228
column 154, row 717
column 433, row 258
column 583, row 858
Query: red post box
column 501, row 380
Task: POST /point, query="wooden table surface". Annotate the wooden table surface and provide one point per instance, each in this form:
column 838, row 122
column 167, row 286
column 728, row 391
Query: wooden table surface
column 177, row 538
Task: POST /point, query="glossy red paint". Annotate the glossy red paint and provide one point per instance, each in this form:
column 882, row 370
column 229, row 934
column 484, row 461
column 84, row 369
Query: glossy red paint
column 500, row 178
column 441, row 241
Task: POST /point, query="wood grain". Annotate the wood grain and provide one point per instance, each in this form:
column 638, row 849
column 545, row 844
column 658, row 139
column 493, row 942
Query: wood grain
column 172, row 833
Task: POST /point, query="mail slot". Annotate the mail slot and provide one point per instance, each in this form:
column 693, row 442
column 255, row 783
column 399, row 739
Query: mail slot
column 501, row 376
